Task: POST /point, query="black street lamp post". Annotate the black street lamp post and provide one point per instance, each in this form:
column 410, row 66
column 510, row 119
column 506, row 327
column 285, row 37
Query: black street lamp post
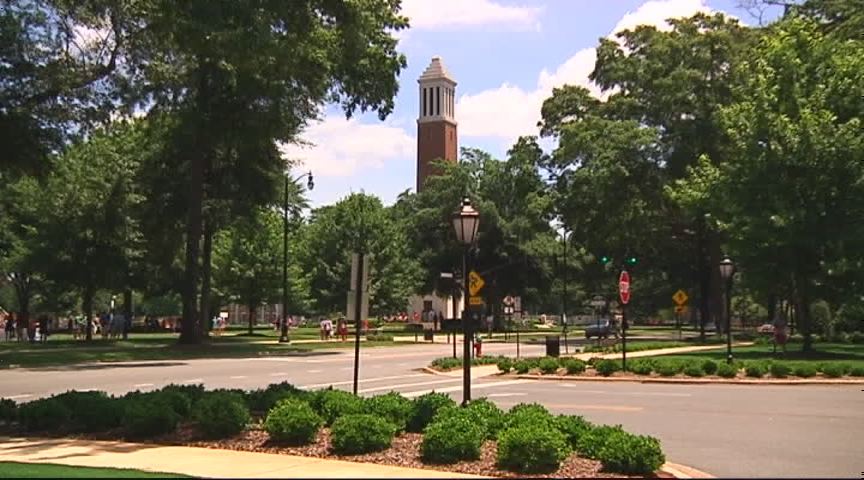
column 466, row 221
column 727, row 271
column 564, row 296
column 283, row 338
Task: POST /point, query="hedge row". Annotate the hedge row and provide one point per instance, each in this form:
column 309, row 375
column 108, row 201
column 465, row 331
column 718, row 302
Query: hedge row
column 669, row 367
column 530, row 439
column 450, row 363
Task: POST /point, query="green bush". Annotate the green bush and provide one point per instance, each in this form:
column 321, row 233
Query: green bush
column 592, row 441
column 607, row 367
column 641, row 367
column 522, row 366
column 178, row 402
column 379, row 337
column 755, row 370
column 221, row 414
column 363, row 433
column 332, row 404
column 452, row 439
column 805, row 370
column 92, row 411
column 532, row 449
column 574, row 366
column 574, row 427
column 264, row 400
column 392, row 407
column 44, row 414
column 148, row 415
column 667, row 369
column 694, row 370
column 505, row 364
column 548, row 365
column 856, row 337
column 446, row 363
column 709, row 367
column 425, row 407
column 191, row 392
column 488, row 413
column 726, row 371
column 857, row 372
column 780, row 370
column 525, row 414
column 293, row 422
column 631, row 454
column 832, row 370
column 8, row 410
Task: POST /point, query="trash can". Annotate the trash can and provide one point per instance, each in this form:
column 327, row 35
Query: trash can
column 553, row 346
column 428, row 335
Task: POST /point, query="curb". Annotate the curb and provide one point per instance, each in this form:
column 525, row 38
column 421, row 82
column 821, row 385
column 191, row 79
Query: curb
column 683, row 471
column 693, row 381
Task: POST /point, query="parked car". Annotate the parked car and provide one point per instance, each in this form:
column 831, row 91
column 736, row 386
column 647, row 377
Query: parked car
column 766, row 328
column 602, row 329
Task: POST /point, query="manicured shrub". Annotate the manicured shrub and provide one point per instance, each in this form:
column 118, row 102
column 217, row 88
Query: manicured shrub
column 805, row 370
column 363, row 433
column 44, row 414
column 489, row 414
column 780, row 370
column 332, row 404
column 8, row 410
column 709, row 367
column 548, row 365
column 592, row 441
column 727, row 371
column 574, row 366
column 446, row 363
column 264, row 400
column 191, row 392
column 857, row 372
column 755, row 370
column 293, row 422
column 667, row 369
column 505, row 364
column 607, row 367
column 832, row 370
column 92, row 411
column 856, row 337
column 574, row 427
column 424, row 409
column 525, row 414
column 641, row 367
column 532, row 449
column 694, row 370
column 631, row 454
column 379, row 337
column 146, row 416
column 452, row 439
column 221, row 414
column 522, row 366
column 392, row 407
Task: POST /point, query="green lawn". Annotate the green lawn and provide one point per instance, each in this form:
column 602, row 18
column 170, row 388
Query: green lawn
column 148, row 347
column 47, row 470
column 848, row 353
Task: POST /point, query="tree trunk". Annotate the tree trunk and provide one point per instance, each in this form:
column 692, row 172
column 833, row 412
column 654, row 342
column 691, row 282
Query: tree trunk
column 127, row 312
column 23, row 293
column 772, row 308
column 252, row 312
column 206, row 269
column 802, row 312
column 87, row 306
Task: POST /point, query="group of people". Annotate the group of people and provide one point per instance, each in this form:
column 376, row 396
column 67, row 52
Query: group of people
column 23, row 330
column 326, row 328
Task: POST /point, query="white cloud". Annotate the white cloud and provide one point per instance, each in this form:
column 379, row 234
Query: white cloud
column 508, row 111
column 340, row 147
column 460, row 14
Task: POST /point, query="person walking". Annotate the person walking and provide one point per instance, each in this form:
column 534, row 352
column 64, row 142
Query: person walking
column 9, row 328
column 342, row 328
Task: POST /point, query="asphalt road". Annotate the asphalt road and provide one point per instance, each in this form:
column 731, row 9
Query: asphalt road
column 728, row 431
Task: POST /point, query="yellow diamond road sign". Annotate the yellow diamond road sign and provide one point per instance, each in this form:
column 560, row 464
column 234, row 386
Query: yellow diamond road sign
column 680, row 297
column 475, row 283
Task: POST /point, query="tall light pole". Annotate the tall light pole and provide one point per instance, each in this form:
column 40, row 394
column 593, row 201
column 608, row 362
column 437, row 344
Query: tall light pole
column 564, row 296
column 727, row 271
column 283, row 338
column 466, row 221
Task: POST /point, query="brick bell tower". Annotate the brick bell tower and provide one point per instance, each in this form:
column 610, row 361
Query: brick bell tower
column 436, row 123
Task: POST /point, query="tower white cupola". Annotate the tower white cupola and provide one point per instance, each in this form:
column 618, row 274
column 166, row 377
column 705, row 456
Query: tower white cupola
column 437, row 94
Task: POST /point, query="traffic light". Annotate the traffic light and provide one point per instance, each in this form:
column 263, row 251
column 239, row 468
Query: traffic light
column 631, row 260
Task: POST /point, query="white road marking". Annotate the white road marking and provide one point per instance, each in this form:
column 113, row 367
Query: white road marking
column 193, row 380
column 403, row 385
column 363, row 380
column 497, row 395
column 237, row 377
column 314, row 371
column 345, row 369
column 15, row 397
column 403, row 364
column 86, row 389
column 278, row 374
column 140, row 385
column 457, row 388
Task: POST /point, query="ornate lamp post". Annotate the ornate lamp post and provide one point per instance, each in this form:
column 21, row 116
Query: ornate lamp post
column 727, row 271
column 466, row 221
column 283, row 338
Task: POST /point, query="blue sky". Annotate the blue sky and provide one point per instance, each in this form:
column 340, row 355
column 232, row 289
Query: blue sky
column 506, row 55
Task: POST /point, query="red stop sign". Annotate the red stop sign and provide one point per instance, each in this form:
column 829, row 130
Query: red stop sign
column 624, row 287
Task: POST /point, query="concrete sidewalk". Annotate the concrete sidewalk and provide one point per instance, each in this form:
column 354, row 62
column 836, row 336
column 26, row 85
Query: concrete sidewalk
column 659, row 351
column 197, row 462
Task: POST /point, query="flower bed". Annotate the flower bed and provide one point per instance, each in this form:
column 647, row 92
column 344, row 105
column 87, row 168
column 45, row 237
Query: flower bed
column 660, row 367
column 480, row 439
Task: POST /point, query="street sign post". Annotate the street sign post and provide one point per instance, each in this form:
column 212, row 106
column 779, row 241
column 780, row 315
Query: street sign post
column 624, row 294
column 475, row 283
column 680, row 298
